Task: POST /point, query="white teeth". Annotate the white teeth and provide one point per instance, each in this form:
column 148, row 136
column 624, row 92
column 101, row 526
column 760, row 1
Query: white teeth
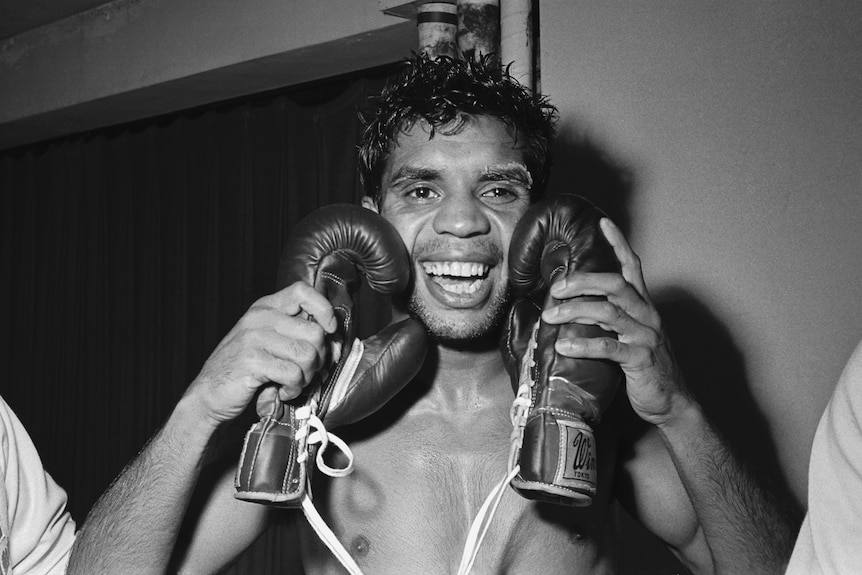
column 456, row 269
column 452, row 276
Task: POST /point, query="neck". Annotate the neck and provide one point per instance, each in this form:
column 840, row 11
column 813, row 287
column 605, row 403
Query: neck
column 466, row 375
column 456, row 374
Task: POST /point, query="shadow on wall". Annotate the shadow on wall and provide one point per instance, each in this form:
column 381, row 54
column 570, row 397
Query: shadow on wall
column 712, row 365
column 581, row 167
column 714, row 369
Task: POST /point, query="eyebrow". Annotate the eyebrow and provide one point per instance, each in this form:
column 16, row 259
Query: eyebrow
column 409, row 173
column 512, row 171
column 508, row 172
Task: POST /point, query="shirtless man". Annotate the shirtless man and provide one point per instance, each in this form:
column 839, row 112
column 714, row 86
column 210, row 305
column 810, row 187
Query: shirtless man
column 426, row 461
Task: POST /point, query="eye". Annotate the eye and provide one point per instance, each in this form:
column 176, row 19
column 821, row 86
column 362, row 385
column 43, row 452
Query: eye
column 502, row 194
column 421, row 193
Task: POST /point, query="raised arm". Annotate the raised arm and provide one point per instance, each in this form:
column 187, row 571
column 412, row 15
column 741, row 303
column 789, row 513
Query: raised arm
column 686, row 484
column 134, row 526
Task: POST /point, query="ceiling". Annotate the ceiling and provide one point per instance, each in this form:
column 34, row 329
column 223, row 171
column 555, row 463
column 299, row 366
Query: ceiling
column 18, row 16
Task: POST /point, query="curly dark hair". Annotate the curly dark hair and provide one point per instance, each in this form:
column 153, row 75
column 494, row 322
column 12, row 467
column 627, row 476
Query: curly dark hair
column 441, row 91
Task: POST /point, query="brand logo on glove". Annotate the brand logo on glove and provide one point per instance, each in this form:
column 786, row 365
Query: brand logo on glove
column 583, row 460
column 578, row 457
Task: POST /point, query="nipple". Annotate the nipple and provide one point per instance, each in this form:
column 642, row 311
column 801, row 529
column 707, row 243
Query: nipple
column 360, row 546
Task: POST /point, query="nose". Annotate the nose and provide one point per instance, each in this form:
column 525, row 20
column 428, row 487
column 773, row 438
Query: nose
column 461, row 216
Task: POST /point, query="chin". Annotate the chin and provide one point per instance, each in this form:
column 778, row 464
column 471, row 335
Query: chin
column 462, row 328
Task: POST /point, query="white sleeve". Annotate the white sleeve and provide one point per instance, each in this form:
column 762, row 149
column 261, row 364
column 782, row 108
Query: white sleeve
column 830, row 540
column 37, row 528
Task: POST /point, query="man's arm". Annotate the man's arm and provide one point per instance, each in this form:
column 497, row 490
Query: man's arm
column 737, row 517
column 135, row 524
column 686, row 483
column 218, row 526
column 747, row 525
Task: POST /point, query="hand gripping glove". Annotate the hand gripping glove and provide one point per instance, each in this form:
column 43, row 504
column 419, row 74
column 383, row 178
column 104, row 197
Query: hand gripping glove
column 558, row 398
column 332, row 249
column 552, row 456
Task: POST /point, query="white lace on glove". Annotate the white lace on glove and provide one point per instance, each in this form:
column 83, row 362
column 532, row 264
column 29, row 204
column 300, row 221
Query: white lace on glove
column 308, row 422
column 518, row 414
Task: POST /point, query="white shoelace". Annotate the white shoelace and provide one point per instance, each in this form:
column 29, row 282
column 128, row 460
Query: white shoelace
column 482, row 522
column 324, row 438
column 321, row 436
column 518, row 414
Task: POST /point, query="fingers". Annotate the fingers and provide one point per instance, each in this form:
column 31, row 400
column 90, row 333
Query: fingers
column 594, row 284
column 267, row 319
column 300, row 299
column 602, row 313
column 626, row 290
column 633, row 336
column 604, row 348
column 291, row 362
column 253, row 355
column 282, row 339
column 629, row 261
column 284, row 335
column 613, row 287
column 619, row 303
column 623, row 308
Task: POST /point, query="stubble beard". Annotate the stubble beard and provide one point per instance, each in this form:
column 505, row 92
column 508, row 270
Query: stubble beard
column 459, row 334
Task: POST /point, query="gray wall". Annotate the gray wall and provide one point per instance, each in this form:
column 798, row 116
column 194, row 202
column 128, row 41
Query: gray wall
column 738, row 130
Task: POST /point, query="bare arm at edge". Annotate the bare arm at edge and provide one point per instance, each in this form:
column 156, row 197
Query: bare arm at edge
column 134, row 526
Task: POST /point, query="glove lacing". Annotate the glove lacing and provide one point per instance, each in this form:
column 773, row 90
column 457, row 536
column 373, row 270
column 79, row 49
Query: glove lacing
column 518, row 414
column 307, row 419
column 479, row 528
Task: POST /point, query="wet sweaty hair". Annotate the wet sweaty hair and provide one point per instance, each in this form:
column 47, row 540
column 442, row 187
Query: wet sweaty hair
column 441, row 92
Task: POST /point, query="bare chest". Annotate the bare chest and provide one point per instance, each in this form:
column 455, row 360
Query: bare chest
column 417, row 487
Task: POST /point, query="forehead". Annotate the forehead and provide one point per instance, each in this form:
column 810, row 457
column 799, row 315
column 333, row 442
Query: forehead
column 477, row 143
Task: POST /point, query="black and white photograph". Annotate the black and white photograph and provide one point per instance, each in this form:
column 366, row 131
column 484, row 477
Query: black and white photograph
column 453, row 287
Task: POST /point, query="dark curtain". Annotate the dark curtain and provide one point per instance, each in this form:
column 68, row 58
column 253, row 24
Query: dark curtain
column 127, row 254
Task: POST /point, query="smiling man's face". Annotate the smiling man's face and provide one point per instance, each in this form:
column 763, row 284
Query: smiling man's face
column 455, row 199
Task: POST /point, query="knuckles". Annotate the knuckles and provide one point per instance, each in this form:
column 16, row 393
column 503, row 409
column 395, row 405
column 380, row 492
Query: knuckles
column 610, row 312
column 314, row 334
column 606, row 346
column 616, row 284
column 268, row 344
column 294, row 377
column 305, row 354
column 652, row 338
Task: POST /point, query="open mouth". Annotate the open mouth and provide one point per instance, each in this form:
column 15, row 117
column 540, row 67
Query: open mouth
column 458, row 278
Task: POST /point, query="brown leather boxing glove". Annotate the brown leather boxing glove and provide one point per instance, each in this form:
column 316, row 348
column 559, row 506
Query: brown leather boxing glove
column 333, row 249
column 559, row 399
